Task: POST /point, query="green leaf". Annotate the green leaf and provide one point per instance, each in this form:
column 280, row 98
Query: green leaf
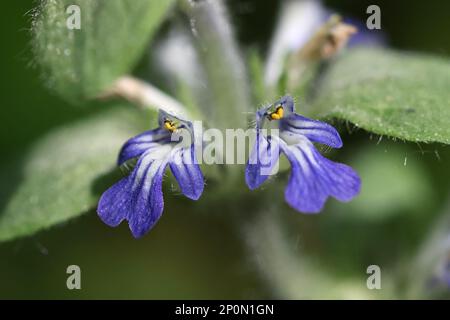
column 65, row 172
column 390, row 93
column 403, row 187
column 80, row 63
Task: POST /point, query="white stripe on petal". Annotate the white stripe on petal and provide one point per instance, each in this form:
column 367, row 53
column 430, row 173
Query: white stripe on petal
column 154, row 167
column 153, row 157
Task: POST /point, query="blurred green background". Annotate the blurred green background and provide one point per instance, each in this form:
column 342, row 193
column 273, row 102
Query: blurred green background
column 200, row 255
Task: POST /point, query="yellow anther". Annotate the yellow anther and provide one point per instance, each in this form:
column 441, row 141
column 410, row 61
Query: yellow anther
column 168, row 125
column 278, row 114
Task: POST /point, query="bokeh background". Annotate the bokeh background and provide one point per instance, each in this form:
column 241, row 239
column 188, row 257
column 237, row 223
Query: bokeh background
column 200, row 255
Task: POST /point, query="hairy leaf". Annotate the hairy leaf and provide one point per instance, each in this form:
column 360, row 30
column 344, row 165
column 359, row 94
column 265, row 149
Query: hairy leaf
column 64, row 173
column 400, row 95
column 80, row 63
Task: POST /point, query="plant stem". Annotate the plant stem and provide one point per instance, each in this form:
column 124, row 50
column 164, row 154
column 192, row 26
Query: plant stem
column 288, row 273
column 224, row 67
column 145, row 95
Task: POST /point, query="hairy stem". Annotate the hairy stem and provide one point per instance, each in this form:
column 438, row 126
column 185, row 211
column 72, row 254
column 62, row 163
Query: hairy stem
column 145, row 95
column 288, row 273
column 225, row 71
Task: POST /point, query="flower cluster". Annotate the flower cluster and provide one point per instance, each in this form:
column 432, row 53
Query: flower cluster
column 313, row 178
column 138, row 197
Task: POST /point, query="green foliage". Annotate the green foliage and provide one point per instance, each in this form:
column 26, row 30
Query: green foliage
column 64, row 173
column 400, row 95
column 394, row 182
column 81, row 63
column 256, row 71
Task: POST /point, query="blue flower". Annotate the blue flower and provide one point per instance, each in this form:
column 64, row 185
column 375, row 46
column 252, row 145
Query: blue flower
column 138, row 197
column 313, row 178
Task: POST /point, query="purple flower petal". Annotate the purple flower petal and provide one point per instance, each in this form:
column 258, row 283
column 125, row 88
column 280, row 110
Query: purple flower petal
column 314, row 130
column 263, row 158
column 314, row 178
column 137, row 198
column 114, row 204
column 143, row 142
column 186, row 170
